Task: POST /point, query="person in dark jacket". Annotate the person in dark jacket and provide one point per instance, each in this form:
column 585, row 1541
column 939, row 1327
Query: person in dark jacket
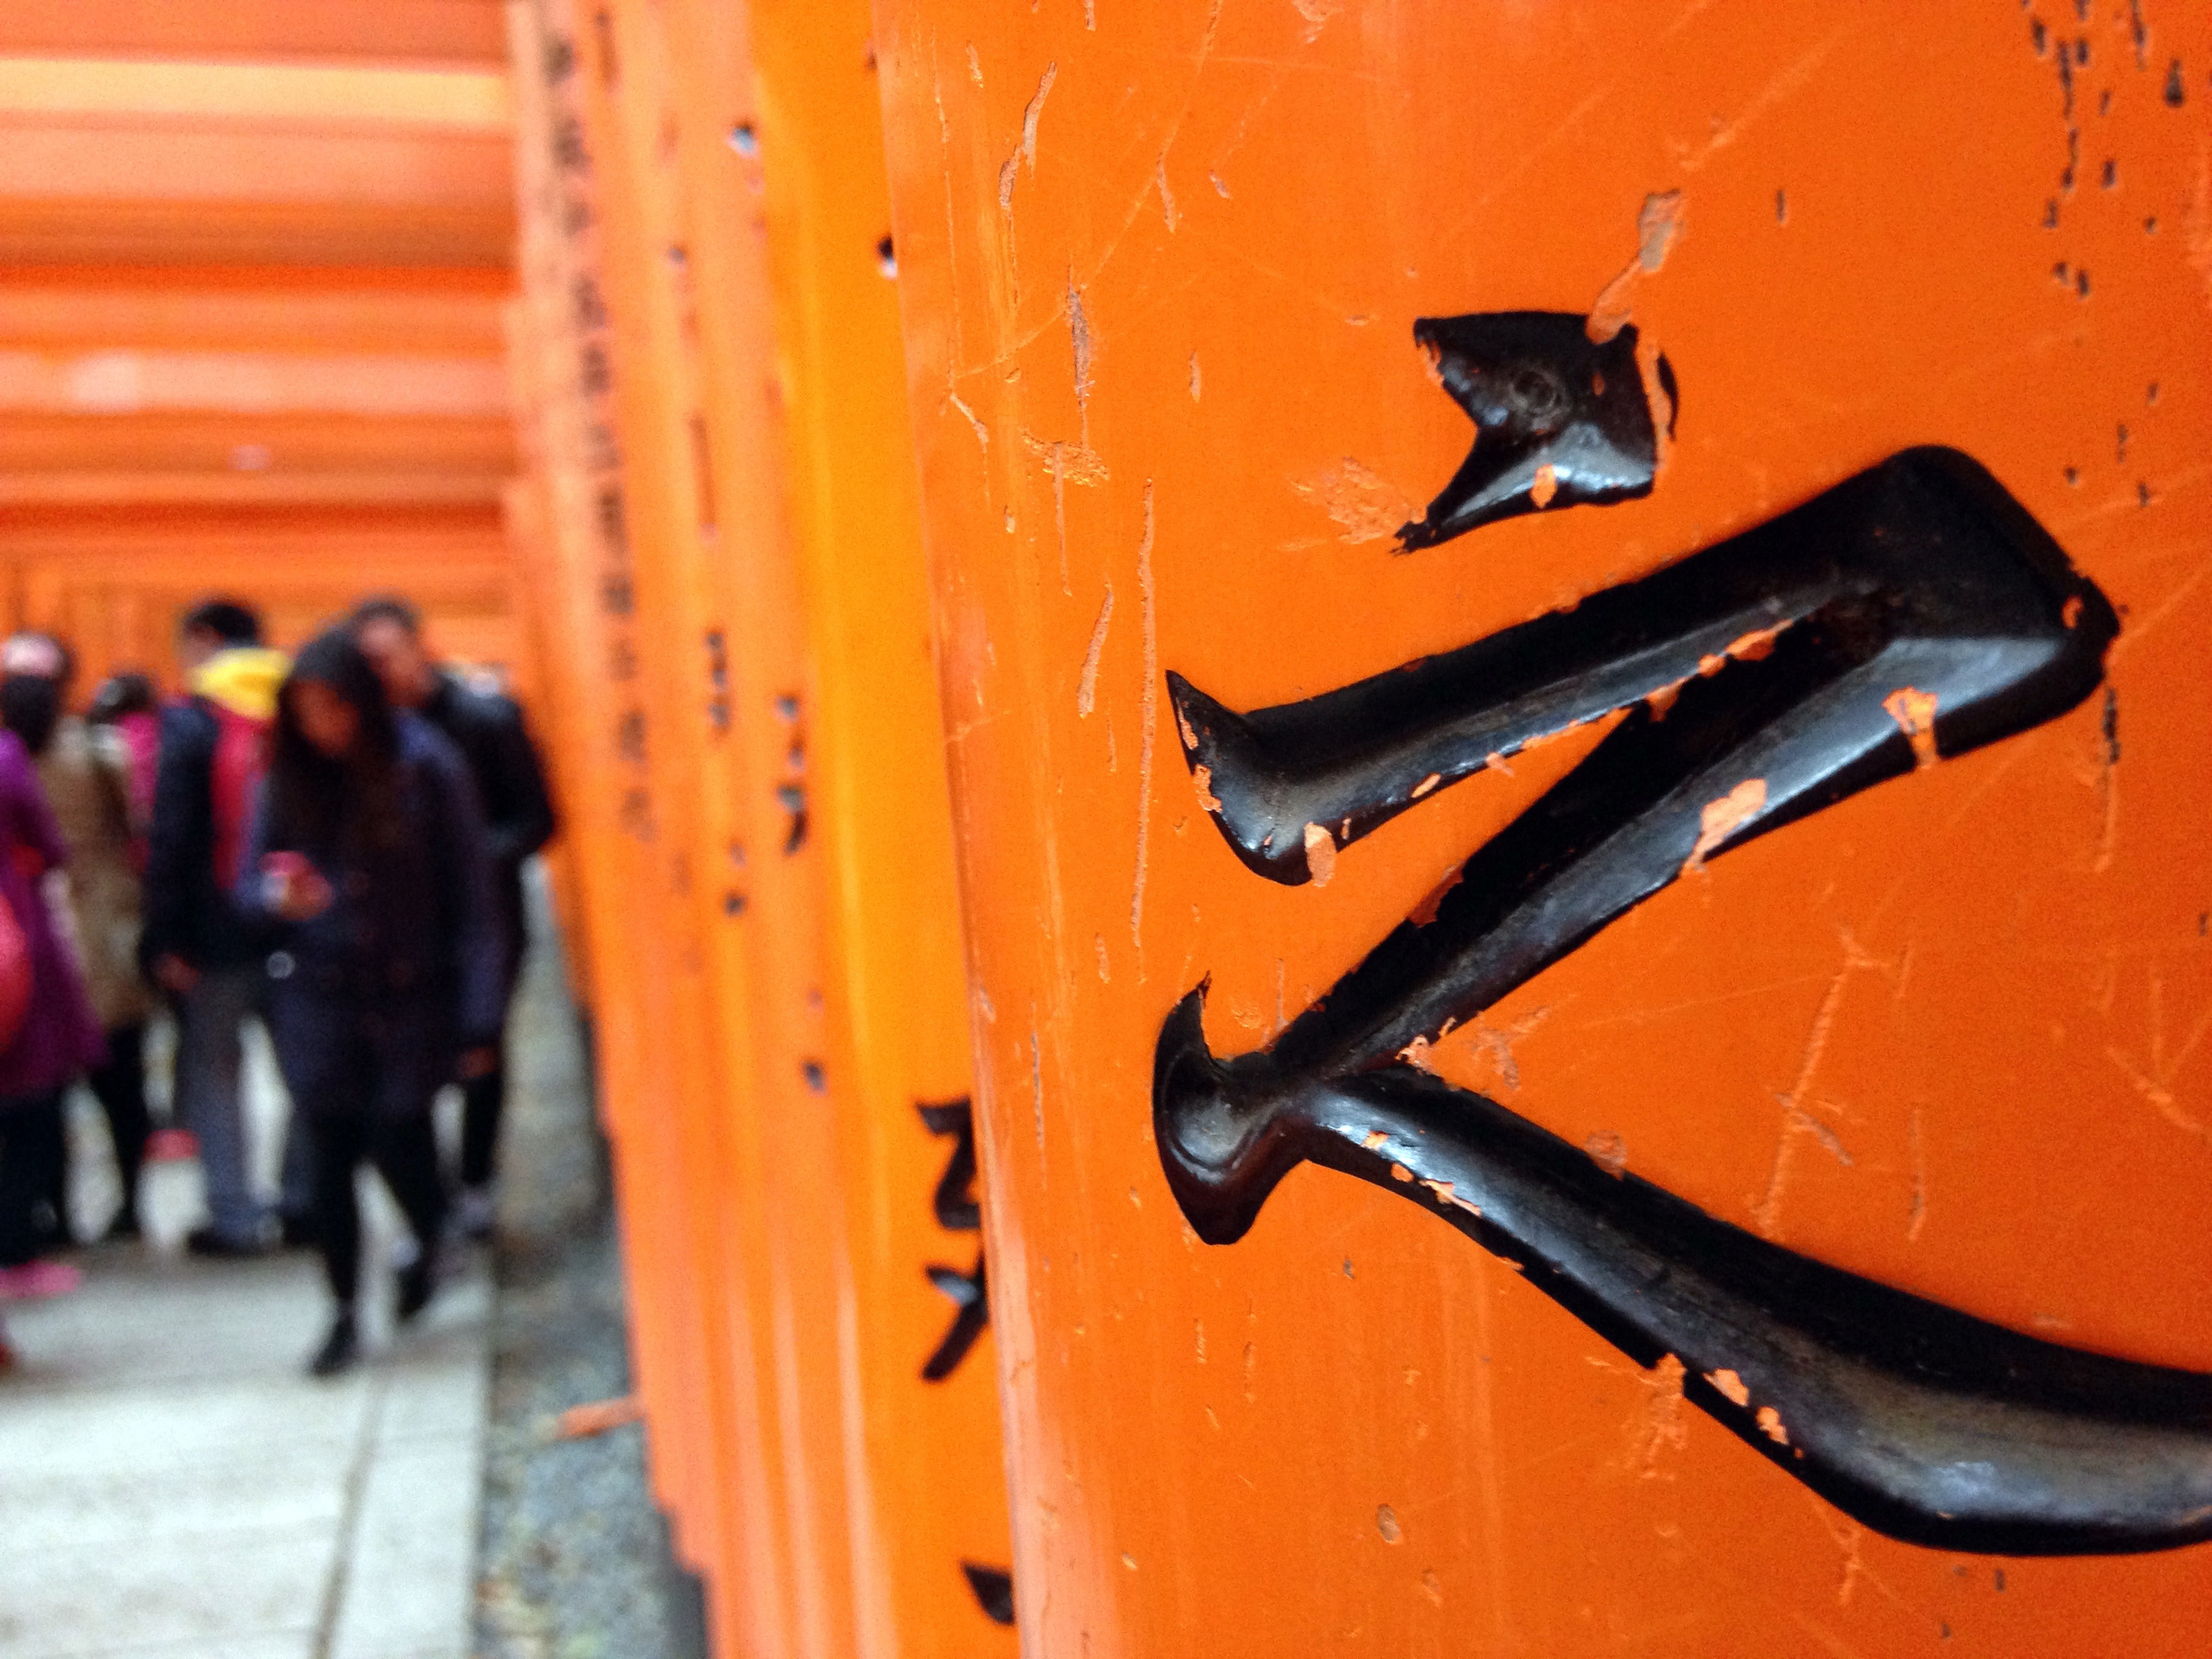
column 196, row 945
column 369, row 862
column 488, row 730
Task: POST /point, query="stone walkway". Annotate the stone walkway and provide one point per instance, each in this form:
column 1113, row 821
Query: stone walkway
column 172, row 1485
column 175, row 1488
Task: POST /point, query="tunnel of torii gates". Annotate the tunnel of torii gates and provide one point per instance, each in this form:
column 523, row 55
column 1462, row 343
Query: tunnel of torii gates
column 1170, row 635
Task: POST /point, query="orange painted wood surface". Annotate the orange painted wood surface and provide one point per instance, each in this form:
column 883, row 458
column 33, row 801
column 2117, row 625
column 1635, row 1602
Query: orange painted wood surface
column 788, row 868
column 1160, row 267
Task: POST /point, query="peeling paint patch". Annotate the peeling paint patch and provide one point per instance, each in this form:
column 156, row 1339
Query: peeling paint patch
column 1196, row 386
column 1915, row 713
column 1364, row 506
column 1320, row 853
column 1723, row 817
column 1771, row 1425
column 1730, row 1387
column 1609, row 1151
column 1068, row 463
column 1446, row 1193
column 1917, row 1217
column 1494, row 1043
column 1659, row 225
column 1201, row 780
column 1317, row 14
column 1386, row 1517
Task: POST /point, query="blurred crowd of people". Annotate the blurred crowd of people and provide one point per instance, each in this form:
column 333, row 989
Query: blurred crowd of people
column 330, row 842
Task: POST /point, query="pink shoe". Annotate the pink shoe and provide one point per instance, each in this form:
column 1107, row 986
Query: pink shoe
column 171, row 1145
column 34, row 1280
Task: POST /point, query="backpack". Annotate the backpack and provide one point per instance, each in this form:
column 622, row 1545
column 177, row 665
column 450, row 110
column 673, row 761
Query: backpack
column 235, row 774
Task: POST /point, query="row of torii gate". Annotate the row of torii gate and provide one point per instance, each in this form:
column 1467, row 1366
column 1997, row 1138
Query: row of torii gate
column 1068, row 754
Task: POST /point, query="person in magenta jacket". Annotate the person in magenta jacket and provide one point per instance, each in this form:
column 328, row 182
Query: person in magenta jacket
column 58, row 1039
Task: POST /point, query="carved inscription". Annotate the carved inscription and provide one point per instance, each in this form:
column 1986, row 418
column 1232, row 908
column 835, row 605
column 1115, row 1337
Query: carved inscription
column 1906, row 616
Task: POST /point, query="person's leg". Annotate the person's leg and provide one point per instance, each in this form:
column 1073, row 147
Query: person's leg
column 210, row 1060
column 26, row 1179
column 46, row 1130
column 319, row 1051
column 483, row 1099
column 30, row 1142
column 340, row 1144
column 120, row 1087
column 405, row 1145
column 406, row 1154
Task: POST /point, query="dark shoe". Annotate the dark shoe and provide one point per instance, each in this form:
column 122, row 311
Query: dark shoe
column 221, row 1245
column 339, row 1350
column 297, row 1232
column 418, row 1284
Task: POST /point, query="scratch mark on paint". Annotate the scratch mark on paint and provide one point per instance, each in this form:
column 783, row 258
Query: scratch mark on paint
column 1494, row 1043
column 1026, row 155
column 1037, row 1086
column 1087, row 687
column 1079, row 341
column 1658, row 1425
column 1151, row 718
column 1032, row 114
column 1783, row 85
column 2155, row 1085
column 1105, row 975
column 1167, row 196
column 2108, row 783
column 1797, row 1119
column 1194, row 384
column 1918, row 1216
column 982, row 432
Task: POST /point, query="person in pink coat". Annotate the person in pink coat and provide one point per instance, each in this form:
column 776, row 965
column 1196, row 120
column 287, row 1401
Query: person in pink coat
column 58, row 1040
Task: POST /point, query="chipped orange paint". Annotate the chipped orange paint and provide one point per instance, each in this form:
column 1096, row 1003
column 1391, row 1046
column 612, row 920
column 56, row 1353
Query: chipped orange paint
column 1915, row 713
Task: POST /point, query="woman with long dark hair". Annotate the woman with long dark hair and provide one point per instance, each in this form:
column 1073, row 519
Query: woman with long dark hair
column 369, row 859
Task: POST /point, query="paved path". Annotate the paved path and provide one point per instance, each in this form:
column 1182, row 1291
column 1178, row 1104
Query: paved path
column 173, row 1487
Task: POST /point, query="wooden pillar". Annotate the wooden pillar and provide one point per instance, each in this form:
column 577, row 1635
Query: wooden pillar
column 1459, row 1185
